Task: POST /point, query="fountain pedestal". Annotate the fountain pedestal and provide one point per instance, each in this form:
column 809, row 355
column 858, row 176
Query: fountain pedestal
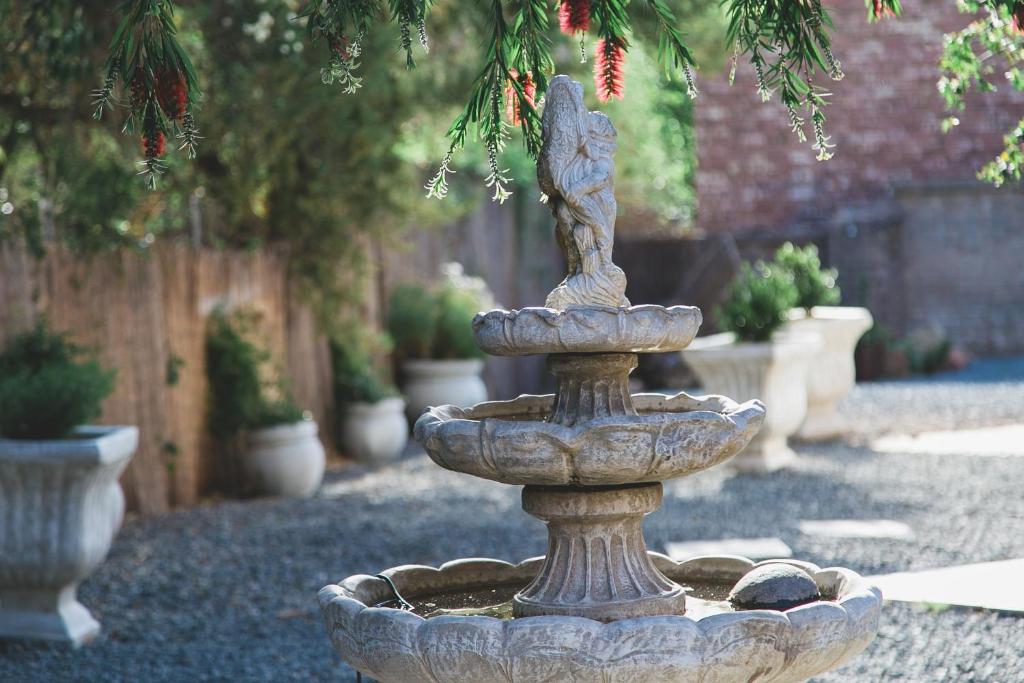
column 597, row 564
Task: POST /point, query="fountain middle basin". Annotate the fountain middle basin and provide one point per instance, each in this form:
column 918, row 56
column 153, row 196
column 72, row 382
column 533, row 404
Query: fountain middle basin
column 710, row 643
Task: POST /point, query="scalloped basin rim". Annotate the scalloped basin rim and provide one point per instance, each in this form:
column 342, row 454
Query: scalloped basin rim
column 539, row 405
column 396, row 646
column 412, row 580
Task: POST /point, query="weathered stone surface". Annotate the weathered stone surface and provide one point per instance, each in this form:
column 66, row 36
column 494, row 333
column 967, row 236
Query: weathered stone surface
column 60, row 505
column 591, row 385
column 394, row 646
column 831, row 374
column 576, row 170
column 776, row 586
column 597, row 564
column 586, row 329
column 509, row 441
column 774, row 372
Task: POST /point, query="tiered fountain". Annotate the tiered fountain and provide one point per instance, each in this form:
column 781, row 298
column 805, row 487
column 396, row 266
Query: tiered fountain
column 591, row 458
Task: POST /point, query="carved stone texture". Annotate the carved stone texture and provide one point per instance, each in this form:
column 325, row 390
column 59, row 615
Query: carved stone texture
column 586, row 329
column 831, row 375
column 597, row 564
column 510, row 441
column 589, row 386
column 394, row 646
column 576, row 170
column 60, row 505
column 774, row 372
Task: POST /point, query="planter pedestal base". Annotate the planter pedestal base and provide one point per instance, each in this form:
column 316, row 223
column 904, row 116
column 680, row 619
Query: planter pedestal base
column 822, row 423
column 46, row 614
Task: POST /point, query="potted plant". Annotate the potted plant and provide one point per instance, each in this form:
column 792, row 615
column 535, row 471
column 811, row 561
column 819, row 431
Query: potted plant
column 277, row 443
column 832, row 372
column 60, row 501
column 433, row 335
column 753, row 360
column 373, row 428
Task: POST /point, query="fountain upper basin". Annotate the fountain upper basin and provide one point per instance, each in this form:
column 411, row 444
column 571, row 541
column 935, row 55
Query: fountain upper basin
column 510, row 441
column 769, row 646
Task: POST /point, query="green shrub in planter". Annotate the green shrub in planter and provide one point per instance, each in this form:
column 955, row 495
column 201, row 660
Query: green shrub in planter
column 356, row 378
column 758, row 302
column 412, row 321
column 455, row 311
column 814, row 286
column 436, row 323
column 240, row 398
column 49, row 386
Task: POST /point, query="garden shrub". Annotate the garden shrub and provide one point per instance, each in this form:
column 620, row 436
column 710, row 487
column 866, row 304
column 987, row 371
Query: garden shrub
column 437, row 323
column 758, row 302
column 814, row 286
column 412, row 321
column 49, row 386
column 240, row 397
column 356, row 378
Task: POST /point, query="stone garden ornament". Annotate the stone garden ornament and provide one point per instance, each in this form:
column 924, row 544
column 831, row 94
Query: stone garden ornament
column 591, row 458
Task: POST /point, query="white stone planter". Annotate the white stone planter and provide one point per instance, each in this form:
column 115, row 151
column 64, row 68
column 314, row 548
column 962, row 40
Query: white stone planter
column 431, row 383
column 832, row 372
column 774, row 372
column 286, row 460
column 60, row 505
column 375, row 433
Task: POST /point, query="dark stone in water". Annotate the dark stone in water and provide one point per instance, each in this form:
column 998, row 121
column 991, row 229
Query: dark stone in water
column 774, row 586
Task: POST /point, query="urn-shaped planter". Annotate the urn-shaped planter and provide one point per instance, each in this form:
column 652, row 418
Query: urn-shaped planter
column 285, row 460
column 375, row 433
column 430, row 383
column 774, row 372
column 832, row 373
column 60, row 505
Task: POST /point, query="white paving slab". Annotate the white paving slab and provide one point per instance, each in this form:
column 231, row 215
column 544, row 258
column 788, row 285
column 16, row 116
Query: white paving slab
column 988, row 585
column 1007, row 440
column 856, row 528
column 754, row 548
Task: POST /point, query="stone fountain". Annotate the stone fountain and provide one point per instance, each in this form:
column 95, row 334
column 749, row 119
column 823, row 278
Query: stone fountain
column 591, row 458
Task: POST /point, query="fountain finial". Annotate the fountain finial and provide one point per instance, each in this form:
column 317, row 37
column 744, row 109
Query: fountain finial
column 576, row 170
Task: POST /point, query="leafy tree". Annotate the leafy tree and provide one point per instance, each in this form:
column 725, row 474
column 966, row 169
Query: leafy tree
column 974, row 57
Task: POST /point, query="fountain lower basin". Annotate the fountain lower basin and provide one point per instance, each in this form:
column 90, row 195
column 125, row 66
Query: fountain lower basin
column 710, row 642
column 513, row 441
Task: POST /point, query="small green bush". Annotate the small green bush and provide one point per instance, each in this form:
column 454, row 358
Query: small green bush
column 412, row 321
column 455, row 311
column 49, row 386
column 356, row 378
column 814, row 286
column 437, row 323
column 240, row 399
column 758, row 302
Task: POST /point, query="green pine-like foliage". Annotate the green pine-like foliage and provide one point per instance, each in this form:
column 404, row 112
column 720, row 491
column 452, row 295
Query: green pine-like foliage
column 49, row 386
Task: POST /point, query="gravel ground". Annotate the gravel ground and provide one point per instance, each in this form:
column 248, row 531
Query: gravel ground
column 227, row 591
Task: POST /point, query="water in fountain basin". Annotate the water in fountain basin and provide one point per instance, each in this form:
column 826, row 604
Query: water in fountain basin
column 702, row 599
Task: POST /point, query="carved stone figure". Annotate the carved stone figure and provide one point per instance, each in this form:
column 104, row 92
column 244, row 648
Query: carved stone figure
column 576, row 171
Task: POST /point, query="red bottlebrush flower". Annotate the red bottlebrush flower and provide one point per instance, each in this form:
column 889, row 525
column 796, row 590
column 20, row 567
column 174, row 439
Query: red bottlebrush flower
column 172, row 94
column 154, row 145
column 574, row 16
column 512, row 110
column 608, row 75
column 1018, row 16
column 339, row 46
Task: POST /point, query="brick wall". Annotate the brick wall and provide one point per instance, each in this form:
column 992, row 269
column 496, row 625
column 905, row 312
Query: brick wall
column 898, row 210
column 884, row 118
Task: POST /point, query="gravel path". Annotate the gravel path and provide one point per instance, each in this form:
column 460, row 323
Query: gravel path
column 227, row 591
